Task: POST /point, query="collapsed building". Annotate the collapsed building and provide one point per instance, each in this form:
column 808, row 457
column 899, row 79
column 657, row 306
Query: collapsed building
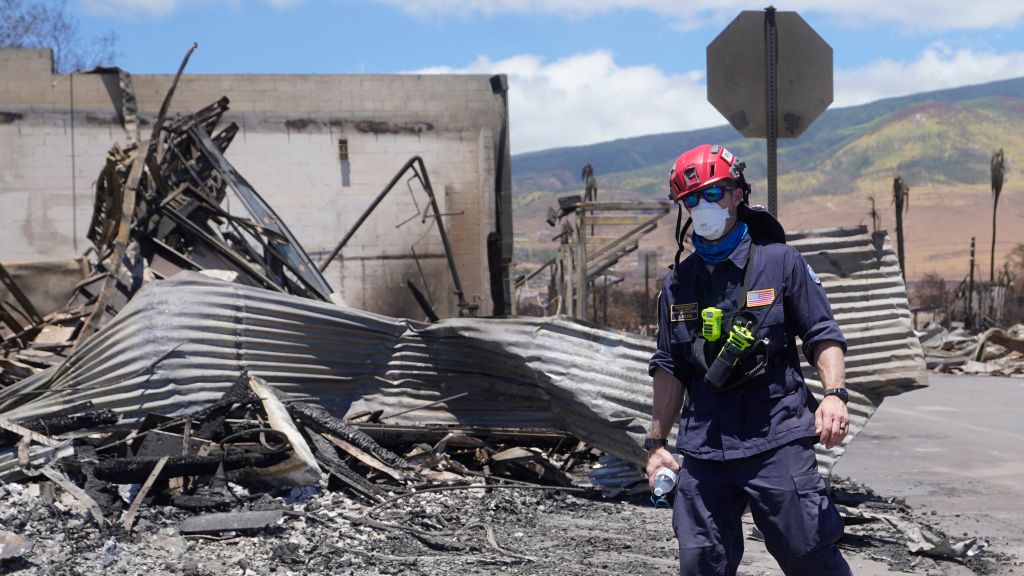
column 201, row 324
column 319, row 147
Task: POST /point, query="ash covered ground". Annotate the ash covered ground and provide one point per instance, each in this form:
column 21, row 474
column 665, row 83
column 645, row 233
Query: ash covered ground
column 462, row 531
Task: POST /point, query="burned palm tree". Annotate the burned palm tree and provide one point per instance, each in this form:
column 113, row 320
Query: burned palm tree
column 998, row 167
column 901, row 198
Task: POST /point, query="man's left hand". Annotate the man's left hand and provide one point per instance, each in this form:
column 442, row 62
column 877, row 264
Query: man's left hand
column 831, row 421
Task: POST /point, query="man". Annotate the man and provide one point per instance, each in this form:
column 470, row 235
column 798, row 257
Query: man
column 748, row 423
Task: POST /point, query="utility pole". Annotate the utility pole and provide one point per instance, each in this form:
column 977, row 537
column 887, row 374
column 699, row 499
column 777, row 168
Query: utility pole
column 969, row 322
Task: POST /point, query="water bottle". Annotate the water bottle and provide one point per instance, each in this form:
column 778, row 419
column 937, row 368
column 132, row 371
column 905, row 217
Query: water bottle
column 665, row 478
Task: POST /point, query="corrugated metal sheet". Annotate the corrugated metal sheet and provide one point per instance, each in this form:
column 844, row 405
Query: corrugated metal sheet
column 180, row 343
column 861, row 275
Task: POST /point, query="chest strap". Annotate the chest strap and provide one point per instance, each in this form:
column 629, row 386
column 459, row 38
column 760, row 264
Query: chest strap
column 724, row 372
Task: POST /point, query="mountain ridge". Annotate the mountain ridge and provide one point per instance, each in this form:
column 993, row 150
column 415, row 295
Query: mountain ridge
column 830, row 130
column 940, row 142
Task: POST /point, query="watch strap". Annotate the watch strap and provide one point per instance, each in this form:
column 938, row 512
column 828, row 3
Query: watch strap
column 840, row 393
column 651, row 443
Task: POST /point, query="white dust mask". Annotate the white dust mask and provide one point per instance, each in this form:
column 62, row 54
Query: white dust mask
column 709, row 220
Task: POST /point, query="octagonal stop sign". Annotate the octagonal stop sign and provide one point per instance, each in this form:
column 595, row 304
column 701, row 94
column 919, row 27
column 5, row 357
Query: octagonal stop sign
column 737, row 74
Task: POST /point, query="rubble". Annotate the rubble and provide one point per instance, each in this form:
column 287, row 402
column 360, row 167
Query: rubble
column 204, row 382
column 159, row 209
column 994, row 352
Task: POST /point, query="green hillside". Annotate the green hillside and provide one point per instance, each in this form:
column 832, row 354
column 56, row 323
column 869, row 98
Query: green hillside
column 942, row 136
column 939, row 142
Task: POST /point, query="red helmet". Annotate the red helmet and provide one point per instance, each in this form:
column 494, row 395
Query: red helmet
column 703, row 167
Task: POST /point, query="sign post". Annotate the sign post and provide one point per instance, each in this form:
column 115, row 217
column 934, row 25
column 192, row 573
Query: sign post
column 770, row 75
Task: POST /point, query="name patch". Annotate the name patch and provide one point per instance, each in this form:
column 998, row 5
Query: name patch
column 681, row 312
column 757, row 298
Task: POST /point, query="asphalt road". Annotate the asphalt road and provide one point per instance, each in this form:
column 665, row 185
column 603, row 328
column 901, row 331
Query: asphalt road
column 954, row 449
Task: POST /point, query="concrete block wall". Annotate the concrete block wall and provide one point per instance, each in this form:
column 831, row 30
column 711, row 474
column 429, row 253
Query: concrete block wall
column 55, row 131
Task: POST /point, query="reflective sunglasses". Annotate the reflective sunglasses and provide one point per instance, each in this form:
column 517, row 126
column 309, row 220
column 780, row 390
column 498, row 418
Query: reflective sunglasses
column 713, row 194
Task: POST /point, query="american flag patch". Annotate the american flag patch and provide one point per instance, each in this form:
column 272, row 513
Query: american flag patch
column 757, row 298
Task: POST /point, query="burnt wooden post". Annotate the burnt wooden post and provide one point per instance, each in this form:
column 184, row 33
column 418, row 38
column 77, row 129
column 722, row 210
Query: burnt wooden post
column 968, row 322
column 900, row 197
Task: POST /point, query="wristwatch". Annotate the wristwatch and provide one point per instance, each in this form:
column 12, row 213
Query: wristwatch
column 839, row 392
column 651, row 443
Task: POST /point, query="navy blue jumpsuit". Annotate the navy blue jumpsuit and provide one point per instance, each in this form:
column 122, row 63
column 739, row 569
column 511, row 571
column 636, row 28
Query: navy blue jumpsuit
column 753, row 445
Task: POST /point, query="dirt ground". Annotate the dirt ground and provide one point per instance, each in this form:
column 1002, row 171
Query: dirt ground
column 946, row 457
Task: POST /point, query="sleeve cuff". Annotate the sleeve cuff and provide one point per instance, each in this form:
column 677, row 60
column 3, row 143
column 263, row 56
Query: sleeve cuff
column 821, row 332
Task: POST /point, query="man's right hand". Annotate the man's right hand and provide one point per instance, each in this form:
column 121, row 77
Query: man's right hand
column 656, row 459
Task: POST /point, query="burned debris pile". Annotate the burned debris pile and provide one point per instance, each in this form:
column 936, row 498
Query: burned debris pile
column 994, row 352
column 203, row 381
column 240, row 465
column 203, row 368
column 160, row 209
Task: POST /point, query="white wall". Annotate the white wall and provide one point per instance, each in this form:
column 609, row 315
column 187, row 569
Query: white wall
column 287, row 149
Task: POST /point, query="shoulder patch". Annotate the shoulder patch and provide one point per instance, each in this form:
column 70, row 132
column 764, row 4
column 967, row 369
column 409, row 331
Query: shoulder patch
column 814, row 277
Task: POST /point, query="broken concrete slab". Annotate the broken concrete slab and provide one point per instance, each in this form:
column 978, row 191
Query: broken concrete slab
column 13, row 545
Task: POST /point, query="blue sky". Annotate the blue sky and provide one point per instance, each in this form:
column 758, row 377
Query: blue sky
column 580, row 71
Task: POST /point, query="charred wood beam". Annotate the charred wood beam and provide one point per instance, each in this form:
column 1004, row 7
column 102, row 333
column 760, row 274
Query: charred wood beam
column 320, row 420
column 399, row 435
column 327, row 457
column 211, row 418
column 26, row 305
column 137, row 470
column 202, row 502
column 54, row 425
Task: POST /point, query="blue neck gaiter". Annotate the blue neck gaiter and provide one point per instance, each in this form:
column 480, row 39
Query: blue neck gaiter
column 714, row 252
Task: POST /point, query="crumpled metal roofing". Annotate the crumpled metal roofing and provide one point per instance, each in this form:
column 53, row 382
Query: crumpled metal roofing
column 861, row 275
column 181, row 342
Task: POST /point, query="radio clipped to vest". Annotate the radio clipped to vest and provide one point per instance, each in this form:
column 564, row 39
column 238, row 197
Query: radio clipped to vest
column 711, row 327
column 736, row 348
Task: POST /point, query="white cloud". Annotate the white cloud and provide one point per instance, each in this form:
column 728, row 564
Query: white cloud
column 587, row 98
column 129, row 9
column 913, row 14
column 936, row 68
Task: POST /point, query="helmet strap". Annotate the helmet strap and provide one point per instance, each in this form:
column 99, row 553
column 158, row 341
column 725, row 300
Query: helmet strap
column 680, row 234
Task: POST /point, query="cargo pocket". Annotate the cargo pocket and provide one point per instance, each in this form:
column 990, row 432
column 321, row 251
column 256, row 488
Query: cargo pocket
column 691, row 520
column 820, row 521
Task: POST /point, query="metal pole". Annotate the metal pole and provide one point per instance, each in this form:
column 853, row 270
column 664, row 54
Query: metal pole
column 970, row 291
column 771, row 49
